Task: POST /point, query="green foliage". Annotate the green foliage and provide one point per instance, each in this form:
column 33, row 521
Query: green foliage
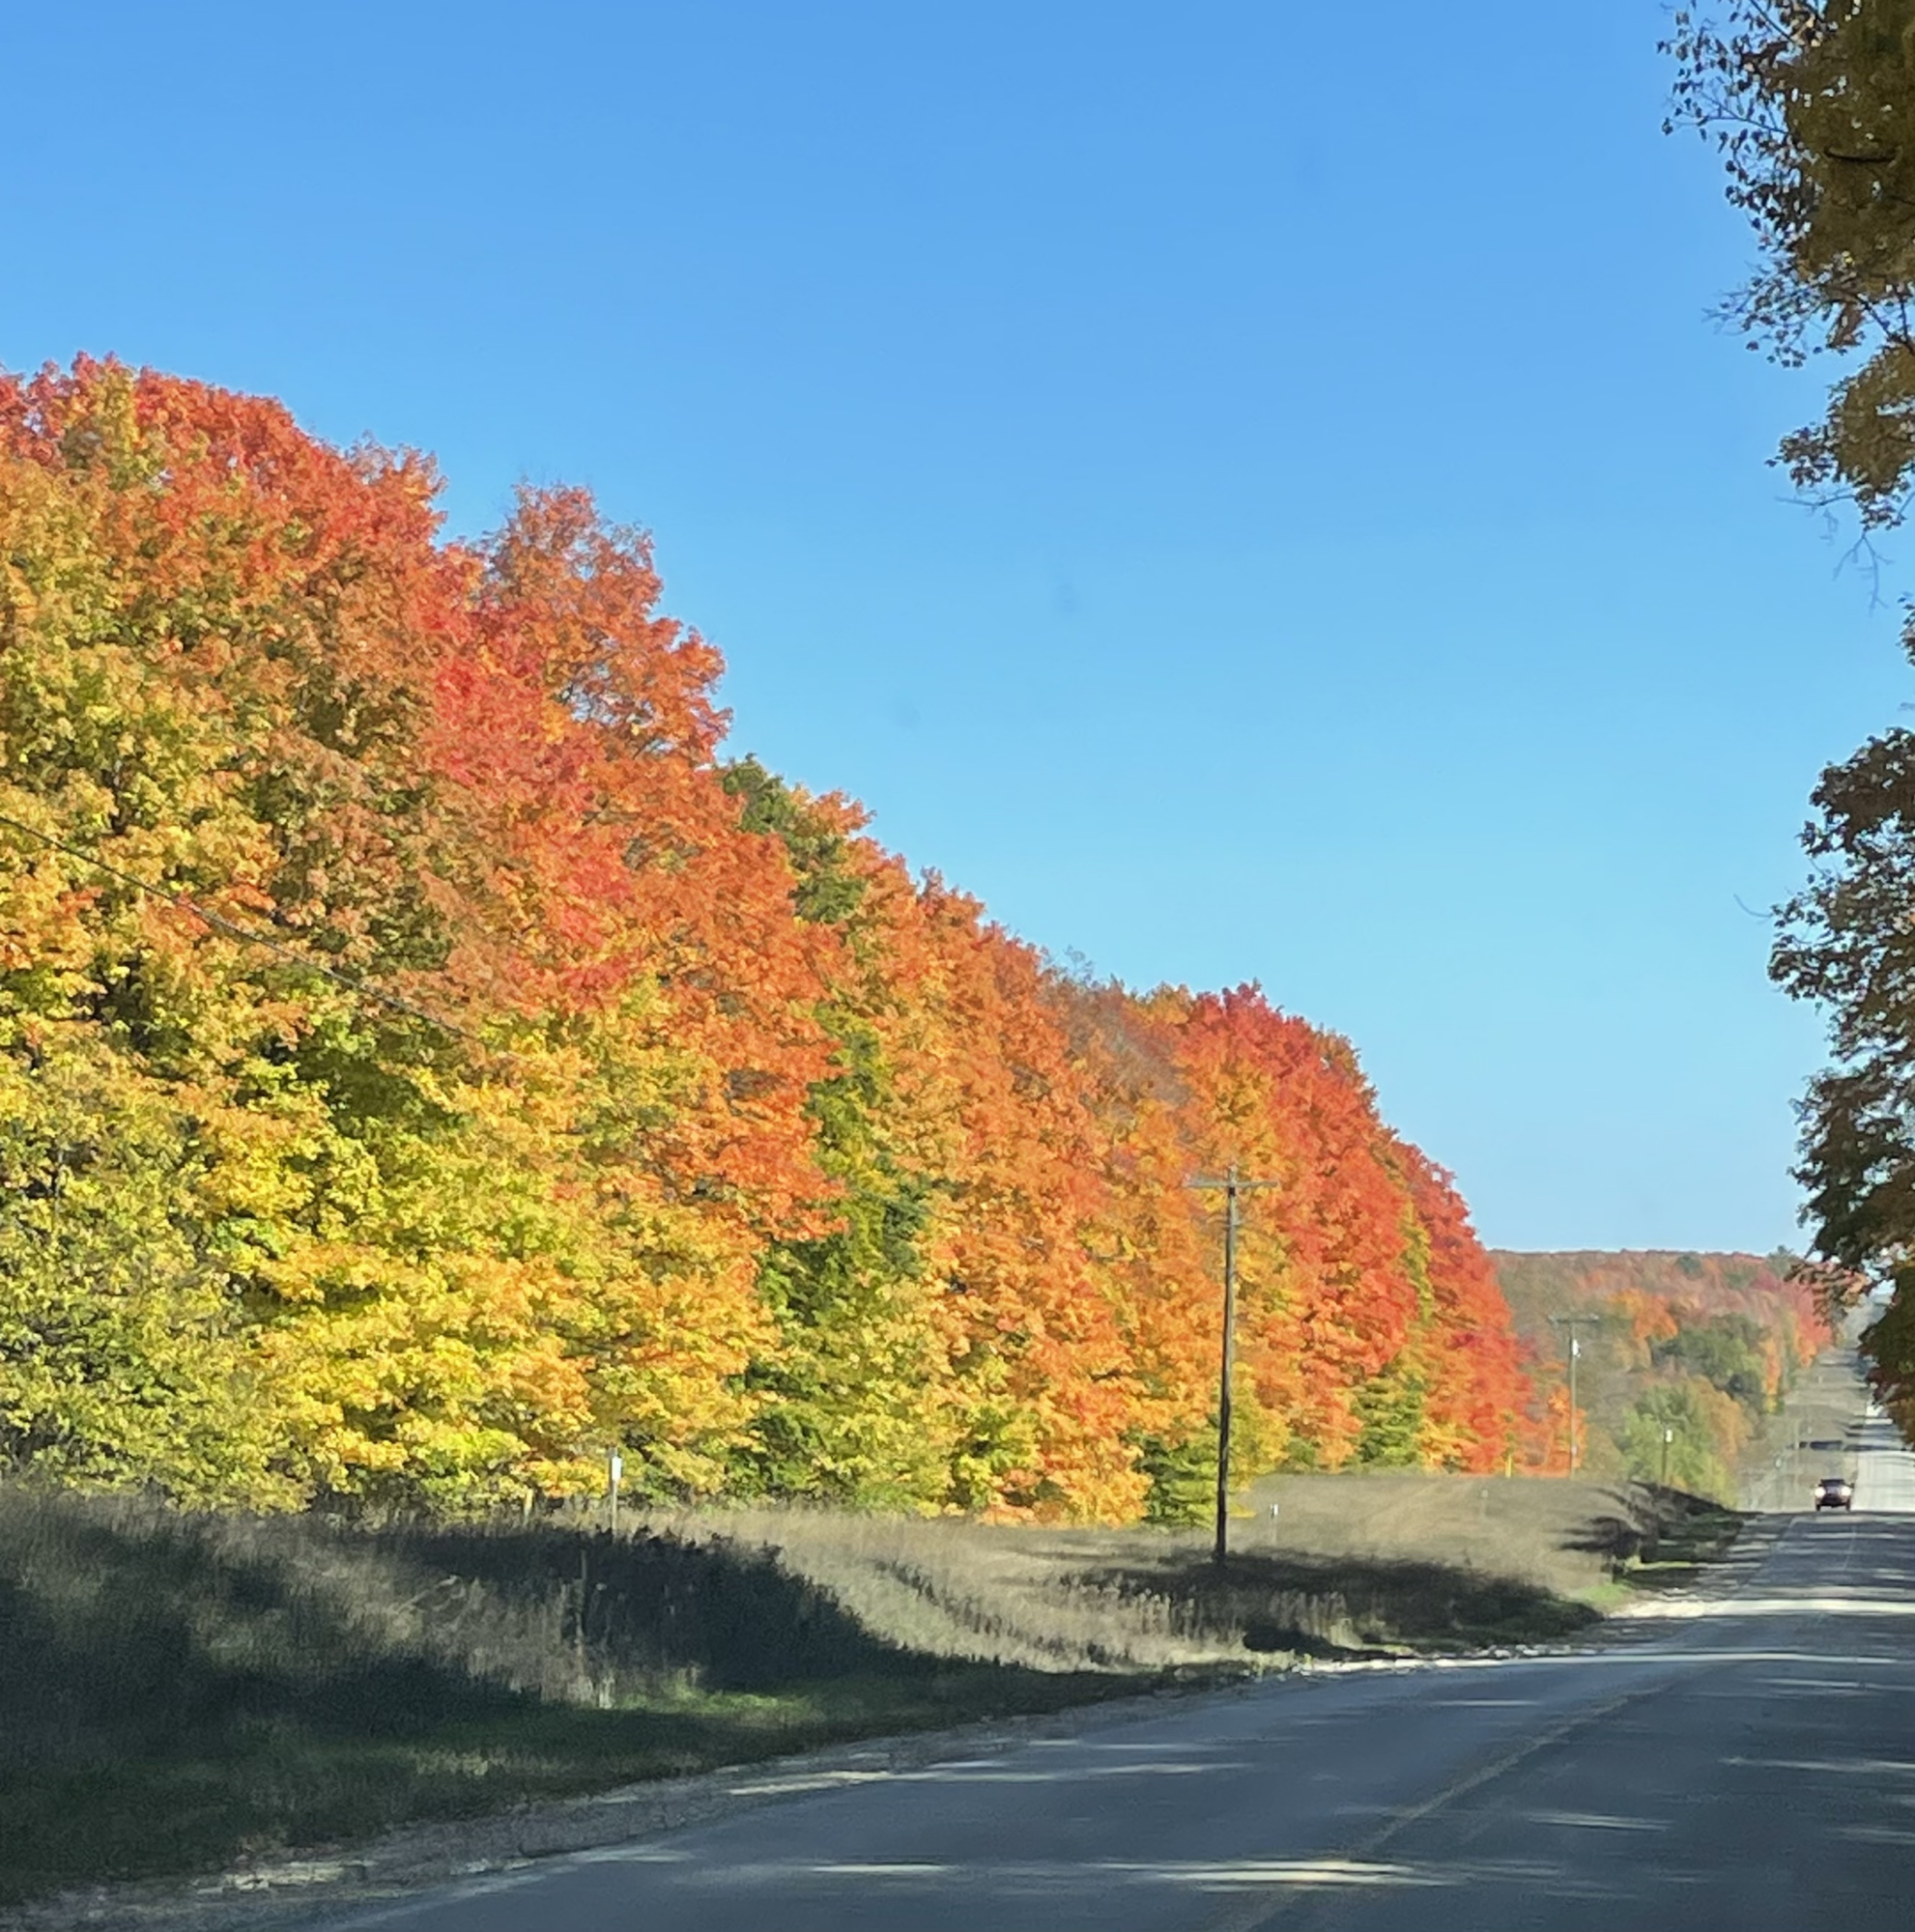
column 1695, row 1461
column 1391, row 1407
column 842, row 1407
column 842, row 1411
column 119, row 1361
column 828, row 889
column 1183, row 1476
column 1725, row 1350
column 1846, row 943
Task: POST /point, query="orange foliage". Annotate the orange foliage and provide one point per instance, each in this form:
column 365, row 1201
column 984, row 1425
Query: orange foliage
column 555, row 1088
column 1479, row 1388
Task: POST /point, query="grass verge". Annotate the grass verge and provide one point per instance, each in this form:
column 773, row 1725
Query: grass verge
column 265, row 1787
column 182, row 1692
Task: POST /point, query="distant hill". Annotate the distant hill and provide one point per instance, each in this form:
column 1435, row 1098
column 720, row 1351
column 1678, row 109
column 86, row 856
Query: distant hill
column 1701, row 1346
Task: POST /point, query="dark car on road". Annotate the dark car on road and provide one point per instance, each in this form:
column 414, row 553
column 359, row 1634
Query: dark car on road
column 1835, row 1492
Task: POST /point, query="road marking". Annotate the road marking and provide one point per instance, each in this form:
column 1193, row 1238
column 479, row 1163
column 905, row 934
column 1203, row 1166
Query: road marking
column 1256, row 1914
column 1596, row 1821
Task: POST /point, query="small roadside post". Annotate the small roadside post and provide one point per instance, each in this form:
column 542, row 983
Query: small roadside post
column 1668, row 1437
column 614, row 1470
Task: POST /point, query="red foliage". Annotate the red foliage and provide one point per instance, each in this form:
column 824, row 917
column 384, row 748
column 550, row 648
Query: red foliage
column 482, row 781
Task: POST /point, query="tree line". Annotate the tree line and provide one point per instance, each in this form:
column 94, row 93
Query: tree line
column 428, row 1062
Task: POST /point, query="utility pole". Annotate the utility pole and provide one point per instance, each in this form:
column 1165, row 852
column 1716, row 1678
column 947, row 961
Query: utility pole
column 1231, row 1186
column 1572, row 1323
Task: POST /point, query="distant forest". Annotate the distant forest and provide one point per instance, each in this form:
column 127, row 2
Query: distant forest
column 1702, row 1344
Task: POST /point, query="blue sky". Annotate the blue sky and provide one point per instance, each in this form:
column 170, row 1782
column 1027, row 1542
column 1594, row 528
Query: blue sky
column 1249, row 491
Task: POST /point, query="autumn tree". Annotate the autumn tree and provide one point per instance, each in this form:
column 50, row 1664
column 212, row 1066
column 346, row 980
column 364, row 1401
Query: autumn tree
column 388, row 888
column 1703, row 1344
column 1475, row 1387
column 1810, row 103
column 1845, row 943
column 1371, row 1325
column 852, row 1404
column 427, row 1063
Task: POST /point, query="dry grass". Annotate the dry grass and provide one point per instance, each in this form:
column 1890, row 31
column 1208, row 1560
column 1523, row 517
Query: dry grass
column 1561, row 1535
column 179, row 1690
column 1395, row 1560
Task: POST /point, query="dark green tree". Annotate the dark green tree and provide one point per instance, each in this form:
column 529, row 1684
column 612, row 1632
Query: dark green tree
column 1391, row 1406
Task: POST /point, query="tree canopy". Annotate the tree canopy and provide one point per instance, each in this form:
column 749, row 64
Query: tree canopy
column 428, row 1063
column 1812, row 105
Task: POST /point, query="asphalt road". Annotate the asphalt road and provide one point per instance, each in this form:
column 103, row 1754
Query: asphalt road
column 1745, row 1762
column 1883, row 1471
column 1825, row 1432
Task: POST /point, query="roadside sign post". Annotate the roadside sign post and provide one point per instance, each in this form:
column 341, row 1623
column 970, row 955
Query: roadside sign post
column 1668, row 1437
column 615, row 1469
